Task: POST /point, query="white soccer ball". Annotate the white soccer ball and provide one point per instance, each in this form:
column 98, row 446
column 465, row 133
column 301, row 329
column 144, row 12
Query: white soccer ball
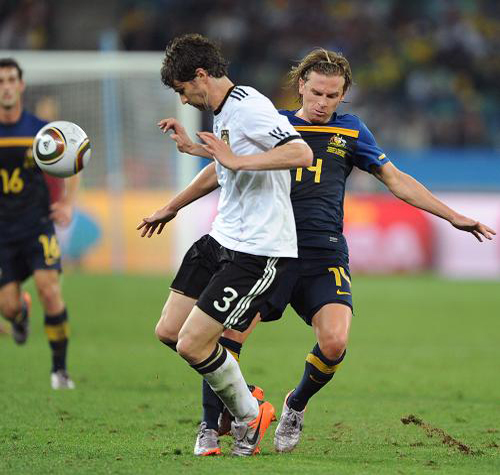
column 61, row 148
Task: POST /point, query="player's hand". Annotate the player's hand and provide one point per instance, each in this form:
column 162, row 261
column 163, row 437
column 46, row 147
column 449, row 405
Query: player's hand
column 219, row 149
column 179, row 134
column 61, row 213
column 156, row 221
column 478, row 229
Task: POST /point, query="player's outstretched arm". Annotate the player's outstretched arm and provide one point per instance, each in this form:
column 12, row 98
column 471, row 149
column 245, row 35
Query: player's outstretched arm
column 181, row 138
column 204, row 183
column 61, row 212
column 293, row 154
column 406, row 188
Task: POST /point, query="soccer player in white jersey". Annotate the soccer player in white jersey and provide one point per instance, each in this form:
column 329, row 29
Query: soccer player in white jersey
column 321, row 79
column 228, row 274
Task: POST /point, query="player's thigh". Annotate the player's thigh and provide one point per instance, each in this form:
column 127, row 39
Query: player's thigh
column 331, row 324
column 48, row 285
column 10, row 299
column 14, row 267
column 274, row 307
column 239, row 289
column 42, row 252
column 175, row 312
column 198, row 336
column 198, row 266
column 329, row 285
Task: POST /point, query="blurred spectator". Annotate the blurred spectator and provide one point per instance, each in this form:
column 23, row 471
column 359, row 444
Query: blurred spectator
column 425, row 72
column 24, row 24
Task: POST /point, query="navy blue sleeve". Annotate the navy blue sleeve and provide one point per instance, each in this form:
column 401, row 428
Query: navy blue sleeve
column 367, row 152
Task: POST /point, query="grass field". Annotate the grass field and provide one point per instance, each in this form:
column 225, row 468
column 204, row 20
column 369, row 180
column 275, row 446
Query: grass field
column 420, row 346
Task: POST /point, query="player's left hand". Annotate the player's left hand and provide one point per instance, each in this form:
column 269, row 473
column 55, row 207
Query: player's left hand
column 61, row 213
column 219, row 149
column 478, row 229
column 156, row 221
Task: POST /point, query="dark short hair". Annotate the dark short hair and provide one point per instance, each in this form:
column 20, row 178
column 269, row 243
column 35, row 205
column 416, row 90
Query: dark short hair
column 186, row 53
column 11, row 63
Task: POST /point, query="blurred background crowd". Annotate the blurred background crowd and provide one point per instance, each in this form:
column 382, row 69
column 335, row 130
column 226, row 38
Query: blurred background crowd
column 426, row 72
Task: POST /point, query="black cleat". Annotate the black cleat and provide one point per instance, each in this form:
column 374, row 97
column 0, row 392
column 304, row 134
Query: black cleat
column 21, row 328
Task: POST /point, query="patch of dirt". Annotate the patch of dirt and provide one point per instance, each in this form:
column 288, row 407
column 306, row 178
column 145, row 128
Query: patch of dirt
column 432, row 431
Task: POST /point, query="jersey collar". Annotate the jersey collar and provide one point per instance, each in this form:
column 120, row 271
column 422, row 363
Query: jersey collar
column 302, row 121
column 221, row 105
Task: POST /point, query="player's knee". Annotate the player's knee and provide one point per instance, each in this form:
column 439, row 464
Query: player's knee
column 10, row 310
column 333, row 345
column 187, row 348
column 165, row 334
column 50, row 297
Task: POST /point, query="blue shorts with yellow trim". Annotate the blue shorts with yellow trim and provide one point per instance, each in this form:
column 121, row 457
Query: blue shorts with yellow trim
column 321, row 277
column 20, row 258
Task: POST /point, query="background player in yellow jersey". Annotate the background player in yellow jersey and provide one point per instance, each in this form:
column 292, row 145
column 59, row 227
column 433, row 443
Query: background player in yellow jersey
column 321, row 291
column 28, row 244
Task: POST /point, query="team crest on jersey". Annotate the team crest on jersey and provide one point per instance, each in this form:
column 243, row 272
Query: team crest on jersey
column 224, row 135
column 338, row 141
column 337, row 145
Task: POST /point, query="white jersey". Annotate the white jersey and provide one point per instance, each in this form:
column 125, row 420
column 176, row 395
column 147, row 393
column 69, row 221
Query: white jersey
column 255, row 213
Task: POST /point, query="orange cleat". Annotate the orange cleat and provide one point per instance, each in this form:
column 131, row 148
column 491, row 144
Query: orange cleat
column 226, row 417
column 248, row 435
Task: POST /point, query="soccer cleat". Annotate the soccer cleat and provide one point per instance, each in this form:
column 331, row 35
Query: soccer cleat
column 247, row 435
column 207, row 441
column 287, row 434
column 226, row 417
column 257, row 393
column 21, row 328
column 60, row 380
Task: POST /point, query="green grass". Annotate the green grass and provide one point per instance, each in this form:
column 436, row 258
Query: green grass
column 419, row 345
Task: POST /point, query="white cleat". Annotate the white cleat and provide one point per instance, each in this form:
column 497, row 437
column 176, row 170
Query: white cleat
column 287, row 434
column 207, row 441
column 60, row 380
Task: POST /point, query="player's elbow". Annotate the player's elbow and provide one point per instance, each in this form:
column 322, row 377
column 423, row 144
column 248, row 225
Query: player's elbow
column 305, row 155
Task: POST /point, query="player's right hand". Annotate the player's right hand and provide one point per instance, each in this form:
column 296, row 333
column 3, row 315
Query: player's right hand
column 179, row 135
column 479, row 230
column 156, row 221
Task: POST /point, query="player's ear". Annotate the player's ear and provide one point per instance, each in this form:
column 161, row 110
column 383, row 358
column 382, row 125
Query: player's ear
column 301, row 86
column 201, row 73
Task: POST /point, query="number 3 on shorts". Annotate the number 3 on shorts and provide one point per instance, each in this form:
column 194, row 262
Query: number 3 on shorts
column 227, row 300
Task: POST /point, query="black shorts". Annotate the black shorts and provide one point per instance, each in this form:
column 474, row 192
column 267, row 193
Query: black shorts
column 322, row 277
column 20, row 258
column 230, row 286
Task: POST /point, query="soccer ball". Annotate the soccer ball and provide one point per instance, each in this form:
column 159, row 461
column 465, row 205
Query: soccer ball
column 61, row 148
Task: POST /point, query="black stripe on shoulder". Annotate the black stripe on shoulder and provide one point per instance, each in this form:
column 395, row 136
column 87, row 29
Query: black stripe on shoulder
column 234, row 96
column 238, row 93
column 288, row 139
column 242, row 91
